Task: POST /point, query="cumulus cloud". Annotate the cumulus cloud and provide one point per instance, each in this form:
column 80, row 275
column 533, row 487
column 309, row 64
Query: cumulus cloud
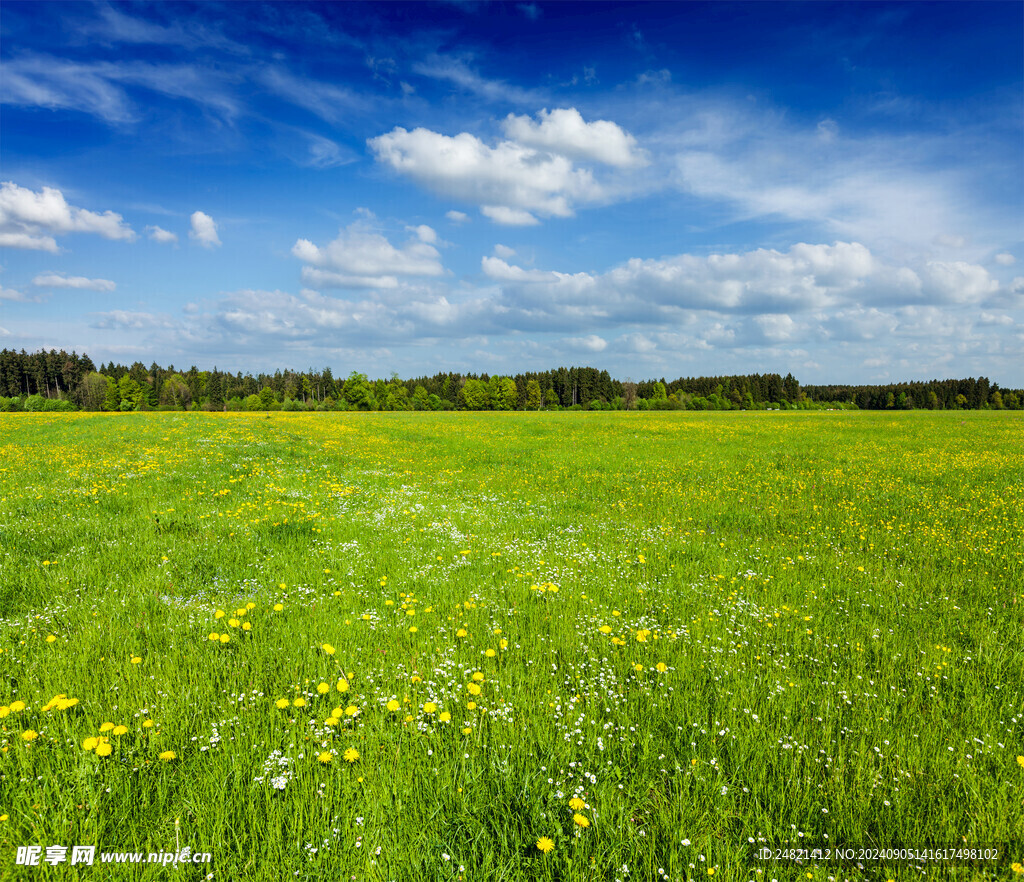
column 457, row 217
column 1005, row 259
column 504, row 252
column 13, row 295
column 512, row 182
column 362, row 258
column 424, row 233
column 589, row 343
column 57, row 280
column 564, row 131
column 204, row 230
column 508, row 217
column 765, row 282
column 30, row 219
column 159, row 234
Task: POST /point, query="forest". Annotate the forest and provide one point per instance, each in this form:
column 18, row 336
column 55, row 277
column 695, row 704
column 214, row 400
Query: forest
column 56, row 381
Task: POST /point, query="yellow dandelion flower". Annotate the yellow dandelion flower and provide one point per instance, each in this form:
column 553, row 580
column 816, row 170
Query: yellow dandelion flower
column 30, row 734
column 327, row 648
column 214, row 636
column 470, row 705
column 250, row 605
column 104, row 750
column 4, row 711
column 17, row 707
column 136, row 660
column 246, row 626
column 234, row 623
column 225, row 638
column 478, row 676
column 219, row 614
column 299, row 702
column 351, row 710
column 323, row 688
column 1017, row 868
column 580, row 820
column 50, row 638
column 90, row 743
column 351, row 755
column 106, row 727
column 605, row 629
column 342, row 685
column 577, row 804
column 393, row 705
column 444, row 717
column 278, row 607
column 461, row 632
column 413, row 629
column 168, row 755
column 467, row 731
column 119, row 730
column 324, row 757
column 661, row 667
column 638, row 667
column 429, row 707
column 490, row 653
column 282, row 703
column 1020, row 761
column 545, row 845
column 473, row 688
column 149, row 724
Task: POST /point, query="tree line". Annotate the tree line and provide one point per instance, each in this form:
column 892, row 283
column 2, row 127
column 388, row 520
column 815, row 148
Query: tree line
column 47, row 381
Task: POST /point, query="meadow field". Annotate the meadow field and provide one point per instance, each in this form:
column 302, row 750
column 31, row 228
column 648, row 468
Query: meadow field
column 511, row 646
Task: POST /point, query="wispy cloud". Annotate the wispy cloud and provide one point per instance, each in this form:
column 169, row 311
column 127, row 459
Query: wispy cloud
column 459, row 73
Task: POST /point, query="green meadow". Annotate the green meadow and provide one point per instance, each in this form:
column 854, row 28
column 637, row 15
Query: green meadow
column 512, row 646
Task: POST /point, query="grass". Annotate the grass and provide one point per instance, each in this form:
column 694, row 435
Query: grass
column 715, row 631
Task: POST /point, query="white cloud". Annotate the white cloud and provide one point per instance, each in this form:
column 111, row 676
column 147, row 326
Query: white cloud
column 457, row 217
column 1005, row 259
column 159, row 234
column 563, row 131
column 511, row 182
column 504, row 252
column 204, row 230
column 589, row 343
column 57, row 280
column 4, row 332
column 424, row 233
column 30, row 219
column 12, row 295
column 509, row 217
column 777, row 285
column 362, row 258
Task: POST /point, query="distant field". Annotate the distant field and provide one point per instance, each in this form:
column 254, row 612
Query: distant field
column 399, row 646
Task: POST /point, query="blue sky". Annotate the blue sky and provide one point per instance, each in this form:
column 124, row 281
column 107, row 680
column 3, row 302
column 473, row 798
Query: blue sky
column 663, row 189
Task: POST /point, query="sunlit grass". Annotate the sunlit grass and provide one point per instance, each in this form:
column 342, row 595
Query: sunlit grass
column 511, row 646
